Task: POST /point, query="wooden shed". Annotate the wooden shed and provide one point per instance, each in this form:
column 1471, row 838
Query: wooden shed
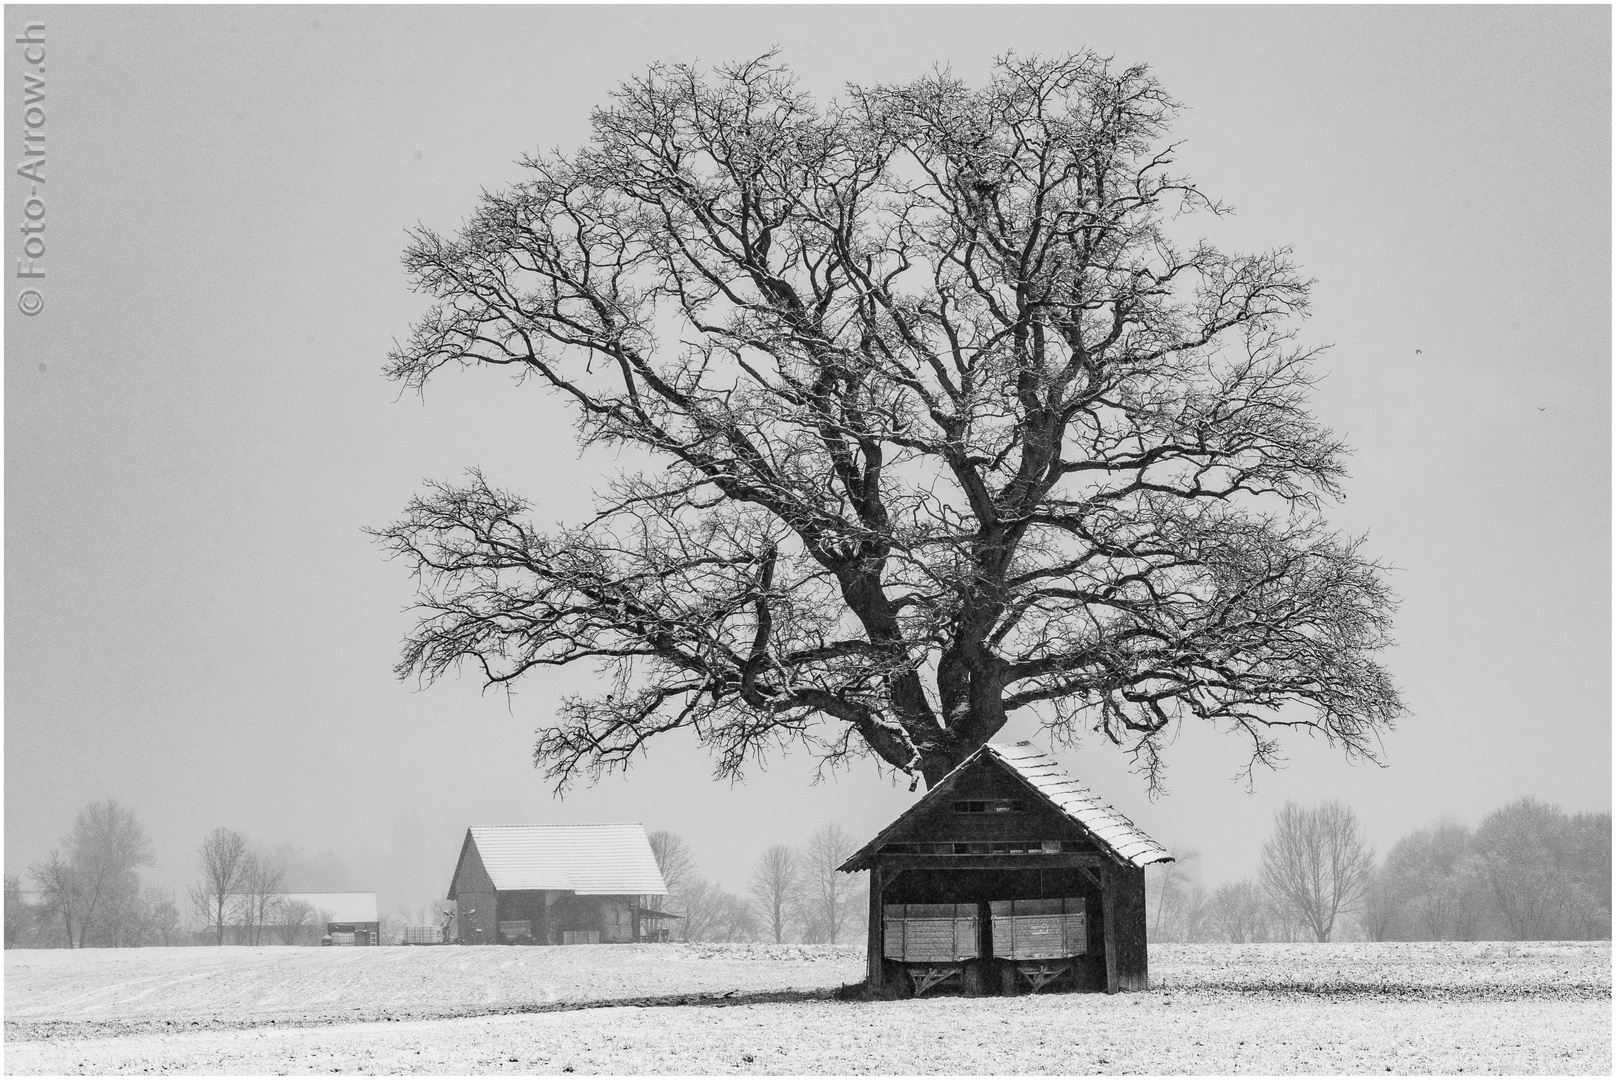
column 554, row 885
column 1008, row 876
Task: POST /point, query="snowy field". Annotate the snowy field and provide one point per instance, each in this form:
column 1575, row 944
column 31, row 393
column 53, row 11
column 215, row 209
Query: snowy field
column 1531, row 1008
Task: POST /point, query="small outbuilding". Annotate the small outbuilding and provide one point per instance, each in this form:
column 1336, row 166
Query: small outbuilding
column 555, row 885
column 1008, row 876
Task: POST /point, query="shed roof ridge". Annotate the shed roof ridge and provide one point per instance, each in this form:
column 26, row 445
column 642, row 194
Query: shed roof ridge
column 1039, row 770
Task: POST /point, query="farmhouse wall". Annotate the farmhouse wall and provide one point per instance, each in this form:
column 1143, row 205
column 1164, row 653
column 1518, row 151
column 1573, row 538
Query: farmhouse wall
column 476, row 904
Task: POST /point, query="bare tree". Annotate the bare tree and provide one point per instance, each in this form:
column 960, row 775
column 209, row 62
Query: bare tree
column 258, row 899
column 776, row 881
column 97, row 876
column 943, row 427
column 20, row 915
column 323, row 917
column 165, row 917
column 1237, row 911
column 295, row 920
column 1171, row 884
column 60, row 892
column 1587, row 850
column 222, row 859
column 827, row 894
column 1316, row 864
column 1434, row 885
column 1523, row 851
column 678, row 867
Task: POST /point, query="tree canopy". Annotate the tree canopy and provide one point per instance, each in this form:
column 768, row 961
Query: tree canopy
column 946, row 425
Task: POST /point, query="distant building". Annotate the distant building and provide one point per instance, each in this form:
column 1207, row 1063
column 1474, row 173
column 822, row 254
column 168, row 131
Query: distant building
column 1007, row 876
column 349, row 918
column 556, row 885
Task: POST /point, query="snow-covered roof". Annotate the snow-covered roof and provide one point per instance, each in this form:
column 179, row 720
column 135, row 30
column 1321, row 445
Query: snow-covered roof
column 1110, row 829
column 609, row 860
column 1105, row 823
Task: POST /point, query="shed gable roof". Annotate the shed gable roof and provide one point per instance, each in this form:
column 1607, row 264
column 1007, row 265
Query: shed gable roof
column 1110, row 829
column 609, row 860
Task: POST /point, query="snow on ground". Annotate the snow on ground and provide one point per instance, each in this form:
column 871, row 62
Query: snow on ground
column 1534, row 1008
column 60, row 991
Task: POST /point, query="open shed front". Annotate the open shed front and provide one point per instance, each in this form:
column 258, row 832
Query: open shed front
column 1007, row 877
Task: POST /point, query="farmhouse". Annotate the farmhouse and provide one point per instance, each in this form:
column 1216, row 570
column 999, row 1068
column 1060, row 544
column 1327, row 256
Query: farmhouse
column 555, row 885
column 1007, row 876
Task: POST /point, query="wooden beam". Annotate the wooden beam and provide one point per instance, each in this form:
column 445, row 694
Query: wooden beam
column 1064, row 861
column 877, row 933
column 1108, row 906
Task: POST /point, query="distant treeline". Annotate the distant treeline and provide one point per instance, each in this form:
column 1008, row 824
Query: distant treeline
column 88, row 892
column 1529, row 871
column 795, row 893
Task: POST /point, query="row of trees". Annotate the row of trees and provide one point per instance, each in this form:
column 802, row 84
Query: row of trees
column 239, row 895
column 1528, row 872
column 88, row 892
column 795, row 893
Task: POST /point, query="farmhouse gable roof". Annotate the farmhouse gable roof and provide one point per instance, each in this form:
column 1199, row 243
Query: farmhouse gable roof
column 599, row 860
column 1111, row 831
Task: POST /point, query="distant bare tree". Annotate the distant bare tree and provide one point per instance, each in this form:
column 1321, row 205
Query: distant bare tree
column 827, row 893
column 1381, row 916
column 1587, row 847
column 1434, row 886
column 1316, row 864
column 390, row 930
column 1171, row 885
column 97, row 876
column 222, row 859
column 296, row 916
column 20, row 915
column 678, row 868
column 259, row 895
column 733, row 919
column 776, row 881
column 60, row 891
column 1237, row 911
column 1527, row 866
column 165, row 918
column 712, row 913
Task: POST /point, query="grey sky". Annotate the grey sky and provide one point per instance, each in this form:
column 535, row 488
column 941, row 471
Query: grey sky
column 197, row 428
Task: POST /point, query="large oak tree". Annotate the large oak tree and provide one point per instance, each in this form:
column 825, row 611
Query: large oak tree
column 947, row 424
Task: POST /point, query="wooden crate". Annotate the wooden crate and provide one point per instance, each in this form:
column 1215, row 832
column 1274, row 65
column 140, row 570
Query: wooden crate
column 1039, row 929
column 930, row 933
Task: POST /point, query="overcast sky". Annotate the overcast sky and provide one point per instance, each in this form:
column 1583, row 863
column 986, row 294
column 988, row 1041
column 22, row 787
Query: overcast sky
column 197, row 429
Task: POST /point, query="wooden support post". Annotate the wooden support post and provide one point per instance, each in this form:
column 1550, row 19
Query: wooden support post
column 1133, row 957
column 877, row 933
column 1108, row 908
